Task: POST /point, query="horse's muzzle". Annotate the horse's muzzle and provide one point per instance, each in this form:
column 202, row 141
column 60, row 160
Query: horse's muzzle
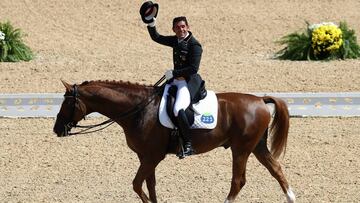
column 62, row 130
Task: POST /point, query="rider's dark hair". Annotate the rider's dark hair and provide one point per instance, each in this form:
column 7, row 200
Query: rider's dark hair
column 178, row 19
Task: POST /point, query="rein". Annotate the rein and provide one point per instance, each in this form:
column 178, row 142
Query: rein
column 137, row 108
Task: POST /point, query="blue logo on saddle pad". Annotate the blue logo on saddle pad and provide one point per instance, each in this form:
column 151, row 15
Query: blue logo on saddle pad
column 207, row 118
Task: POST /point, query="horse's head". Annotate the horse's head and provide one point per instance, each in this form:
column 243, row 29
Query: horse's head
column 71, row 112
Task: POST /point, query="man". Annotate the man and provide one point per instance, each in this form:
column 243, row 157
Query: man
column 186, row 60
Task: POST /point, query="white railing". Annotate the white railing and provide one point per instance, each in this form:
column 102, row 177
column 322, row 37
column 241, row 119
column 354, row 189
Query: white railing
column 300, row 104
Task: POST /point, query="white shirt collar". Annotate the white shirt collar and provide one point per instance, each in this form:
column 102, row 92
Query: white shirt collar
column 180, row 40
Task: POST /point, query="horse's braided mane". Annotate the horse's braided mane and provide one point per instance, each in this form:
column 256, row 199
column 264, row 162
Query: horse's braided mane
column 116, row 83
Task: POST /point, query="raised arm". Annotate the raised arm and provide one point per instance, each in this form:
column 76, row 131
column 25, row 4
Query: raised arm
column 164, row 40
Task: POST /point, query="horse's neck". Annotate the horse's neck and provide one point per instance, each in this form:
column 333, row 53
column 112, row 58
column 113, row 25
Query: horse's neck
column 112, row 100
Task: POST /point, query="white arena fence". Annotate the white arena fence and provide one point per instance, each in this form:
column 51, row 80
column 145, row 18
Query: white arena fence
column 324, row 104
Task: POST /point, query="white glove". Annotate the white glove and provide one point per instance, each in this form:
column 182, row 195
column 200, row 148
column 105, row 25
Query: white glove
column 169, row 74
column 152, row 24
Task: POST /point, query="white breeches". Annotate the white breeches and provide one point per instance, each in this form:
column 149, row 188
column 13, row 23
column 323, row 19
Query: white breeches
column 182, row 95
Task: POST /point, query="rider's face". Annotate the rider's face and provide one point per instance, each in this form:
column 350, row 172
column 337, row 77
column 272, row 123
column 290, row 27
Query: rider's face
column 181, row 29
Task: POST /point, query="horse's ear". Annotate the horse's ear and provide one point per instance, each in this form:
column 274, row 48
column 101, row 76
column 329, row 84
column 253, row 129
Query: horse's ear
column 67, row 86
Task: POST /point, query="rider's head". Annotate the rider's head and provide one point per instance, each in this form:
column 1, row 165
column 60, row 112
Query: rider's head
column 180, row 26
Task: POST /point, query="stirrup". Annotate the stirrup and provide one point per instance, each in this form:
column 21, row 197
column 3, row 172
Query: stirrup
column 181, row 154
column 185, row 151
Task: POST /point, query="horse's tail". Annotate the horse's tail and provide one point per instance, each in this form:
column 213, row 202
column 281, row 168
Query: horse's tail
column 279, row 127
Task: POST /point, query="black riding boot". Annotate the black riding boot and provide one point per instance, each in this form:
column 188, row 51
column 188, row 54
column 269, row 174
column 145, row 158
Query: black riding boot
column 184, row 128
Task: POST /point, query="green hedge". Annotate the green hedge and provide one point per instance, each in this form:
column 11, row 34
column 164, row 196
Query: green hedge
column 12, row 47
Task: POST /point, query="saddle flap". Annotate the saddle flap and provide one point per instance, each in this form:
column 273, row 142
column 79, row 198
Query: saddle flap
column 205, row 116
column 206, row 111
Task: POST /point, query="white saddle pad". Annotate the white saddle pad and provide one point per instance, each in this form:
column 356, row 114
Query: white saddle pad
column 205, row 116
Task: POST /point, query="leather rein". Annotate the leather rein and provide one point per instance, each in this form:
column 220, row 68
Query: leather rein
column 86, row 128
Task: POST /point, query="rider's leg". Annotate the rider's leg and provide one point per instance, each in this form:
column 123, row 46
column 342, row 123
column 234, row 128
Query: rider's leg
column 181, row 103
column 182, row 96
column 184, row 128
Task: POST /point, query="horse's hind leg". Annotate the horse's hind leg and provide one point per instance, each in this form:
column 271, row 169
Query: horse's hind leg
column 238, row 171
column 264, row 156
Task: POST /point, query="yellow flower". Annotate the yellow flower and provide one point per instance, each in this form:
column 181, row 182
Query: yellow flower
column 326, row 38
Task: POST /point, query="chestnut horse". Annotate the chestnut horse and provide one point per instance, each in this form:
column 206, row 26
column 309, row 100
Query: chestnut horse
column 243, row 125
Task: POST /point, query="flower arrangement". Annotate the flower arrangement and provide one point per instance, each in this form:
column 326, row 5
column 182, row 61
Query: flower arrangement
column 12, row 48
column 323, row 41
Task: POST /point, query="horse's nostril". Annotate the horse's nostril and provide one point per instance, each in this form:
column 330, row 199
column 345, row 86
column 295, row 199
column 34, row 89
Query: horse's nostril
column 58, row 132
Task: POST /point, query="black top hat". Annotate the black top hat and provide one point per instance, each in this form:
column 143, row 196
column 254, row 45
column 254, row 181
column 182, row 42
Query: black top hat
column 148, row 11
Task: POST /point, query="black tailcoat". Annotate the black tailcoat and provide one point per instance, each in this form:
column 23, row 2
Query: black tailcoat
column 186, row 58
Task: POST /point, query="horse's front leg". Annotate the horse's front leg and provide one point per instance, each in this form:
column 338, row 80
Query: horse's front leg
column 143, row 172
column 150, row 183
column 146, row 171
